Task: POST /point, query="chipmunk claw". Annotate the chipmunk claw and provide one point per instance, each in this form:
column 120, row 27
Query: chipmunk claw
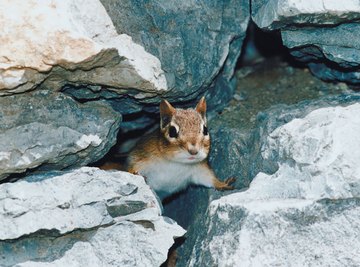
column 226, row 185
column 230, row 180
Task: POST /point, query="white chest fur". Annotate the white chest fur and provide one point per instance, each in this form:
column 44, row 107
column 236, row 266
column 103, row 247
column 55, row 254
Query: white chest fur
column 167, row 177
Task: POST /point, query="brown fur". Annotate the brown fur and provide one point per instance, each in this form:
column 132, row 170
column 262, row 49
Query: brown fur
column 159, row 144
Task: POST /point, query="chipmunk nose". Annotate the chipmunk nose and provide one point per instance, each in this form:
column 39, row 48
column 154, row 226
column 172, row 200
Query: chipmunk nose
column 193, row 151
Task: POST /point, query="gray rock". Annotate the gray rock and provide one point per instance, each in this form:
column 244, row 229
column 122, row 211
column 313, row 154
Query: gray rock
column 319, row 33
column 330, row 62
column 51, row 131
column 328, row 43
column 196, row 46
column 62, row 219
column 237, row 136
column 331, row 53
column 278, row 14
column 281, row 233
column 295, row 214
column 195, row 41
column 72, row 42
column 118, row 207
column 330, row 74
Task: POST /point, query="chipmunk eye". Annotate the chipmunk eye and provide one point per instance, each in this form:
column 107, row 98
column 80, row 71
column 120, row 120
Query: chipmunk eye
column 173, row 132
column 205, row 130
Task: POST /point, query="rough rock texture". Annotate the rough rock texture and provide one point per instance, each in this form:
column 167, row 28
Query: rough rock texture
column 74, row 42
column 237, row 133
column 50, row 131
column 275, row 14
column 194, row 40
column 86, row 217
column 332, row 54
column 319, row 33
column 311, row 202
column 74, row 46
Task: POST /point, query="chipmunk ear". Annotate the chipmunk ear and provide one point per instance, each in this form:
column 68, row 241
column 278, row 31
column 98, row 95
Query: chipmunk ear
column 201, row 107
column 166, row 113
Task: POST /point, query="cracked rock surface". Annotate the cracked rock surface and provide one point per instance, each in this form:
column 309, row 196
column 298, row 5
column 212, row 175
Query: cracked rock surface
column 319, row 33
column 305, row 212
column 75, row 42
column 50, row 131
column 63, row 219
column 197, row 42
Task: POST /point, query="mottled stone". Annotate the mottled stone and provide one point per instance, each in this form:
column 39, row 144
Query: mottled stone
column 62, row 219
column 75, row 42
column 50, row 131
column 319, row 33
column 118, row 207
column 278, row 14
column 295, row 213
column 197, row 42
column 332, row 53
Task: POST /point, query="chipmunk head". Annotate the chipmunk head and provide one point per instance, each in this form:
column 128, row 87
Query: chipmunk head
column 185, row 132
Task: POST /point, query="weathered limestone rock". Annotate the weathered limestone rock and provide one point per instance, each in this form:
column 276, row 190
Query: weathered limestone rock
column 73, row 46
column 278, row 14
column 319, row 33
column 50, row 131
column 237, row 135
column 196, row 41
column 296, row 214
column 332, row 54
column 67, row 219
column 70, row 42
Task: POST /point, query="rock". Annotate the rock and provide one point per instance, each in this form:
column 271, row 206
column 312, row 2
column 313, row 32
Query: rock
column 319, row 33
column 309, row 203
column 75, row 43
column 50, row 131
column 324, row 39
column 279, row 233
column 326, row 73
column 78, row 50
column 196, row 41
column 62, row 219
column 315, row 157
column 277, row 14
column 332, row 54
column 236, row 132
column 237, row 135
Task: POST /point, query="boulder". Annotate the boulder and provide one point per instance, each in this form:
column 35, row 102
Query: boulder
column 297, row 213
column 332, row 53
column 237, row 135
column 319, row 33
column 279, row 14
column 197, row 42
column 46, row 130
column 86, row 217
column 71, row 42
column 109, row 50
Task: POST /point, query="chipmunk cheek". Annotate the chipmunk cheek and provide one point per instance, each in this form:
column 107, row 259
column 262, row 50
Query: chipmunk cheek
column 206, row 143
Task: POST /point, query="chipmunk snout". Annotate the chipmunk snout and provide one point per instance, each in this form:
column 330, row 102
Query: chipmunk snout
column 192, row 148
column 193, row 151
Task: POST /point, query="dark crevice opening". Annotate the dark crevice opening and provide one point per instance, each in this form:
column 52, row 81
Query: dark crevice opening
column 261, row 45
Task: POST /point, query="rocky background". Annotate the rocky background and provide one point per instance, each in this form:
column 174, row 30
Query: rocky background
column 76, row 77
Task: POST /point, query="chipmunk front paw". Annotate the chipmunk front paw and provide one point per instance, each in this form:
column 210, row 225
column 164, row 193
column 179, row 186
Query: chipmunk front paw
column 226, row 185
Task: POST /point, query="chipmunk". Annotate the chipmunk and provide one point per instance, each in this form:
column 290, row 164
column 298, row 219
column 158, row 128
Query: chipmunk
column 175, row 156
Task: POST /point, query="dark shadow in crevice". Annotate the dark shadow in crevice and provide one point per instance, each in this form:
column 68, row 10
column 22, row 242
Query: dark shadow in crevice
column 260, row 45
